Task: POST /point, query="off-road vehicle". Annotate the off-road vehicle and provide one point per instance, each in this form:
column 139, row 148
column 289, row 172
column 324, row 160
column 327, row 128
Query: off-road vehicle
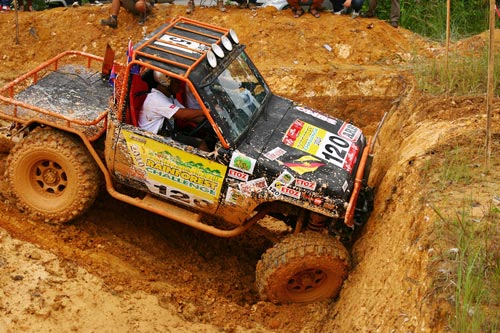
column 270, row 159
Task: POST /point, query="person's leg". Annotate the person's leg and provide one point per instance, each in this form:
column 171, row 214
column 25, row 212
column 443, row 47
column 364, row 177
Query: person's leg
column 252, row 4
column 296, row 9
column 357, row 5
column 5, row 5
column 395, row 13
column 141, row 9
column 315, row 7
column 372, row 7
column 129, row 5
column 190, row 7
column 221, row 6
column 112, row 21
column 337, row 6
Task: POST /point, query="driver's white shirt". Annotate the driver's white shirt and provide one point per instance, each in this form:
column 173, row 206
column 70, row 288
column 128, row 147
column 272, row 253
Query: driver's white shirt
column 155, row 109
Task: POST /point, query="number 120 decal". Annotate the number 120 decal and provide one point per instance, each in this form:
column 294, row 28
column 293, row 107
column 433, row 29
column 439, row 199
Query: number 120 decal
column 335, row 149
column 338, row 151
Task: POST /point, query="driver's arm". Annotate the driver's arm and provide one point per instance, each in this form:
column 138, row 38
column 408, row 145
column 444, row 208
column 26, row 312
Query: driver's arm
column 196, row 115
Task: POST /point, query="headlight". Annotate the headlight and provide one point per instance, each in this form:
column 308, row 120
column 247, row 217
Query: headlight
column 218, row 50
column 226, row 43
column 212, row 60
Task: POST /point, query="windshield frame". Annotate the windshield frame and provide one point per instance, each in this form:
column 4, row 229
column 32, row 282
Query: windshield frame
column 236, row 94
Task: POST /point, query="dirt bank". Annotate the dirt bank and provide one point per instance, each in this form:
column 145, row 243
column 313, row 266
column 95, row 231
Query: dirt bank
column 120, row 269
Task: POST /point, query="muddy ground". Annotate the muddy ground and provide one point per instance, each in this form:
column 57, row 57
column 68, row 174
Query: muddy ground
column 120, row 269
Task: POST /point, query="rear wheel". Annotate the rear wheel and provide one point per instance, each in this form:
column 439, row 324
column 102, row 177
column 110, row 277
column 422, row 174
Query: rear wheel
column 302, row 268
column 52, row 176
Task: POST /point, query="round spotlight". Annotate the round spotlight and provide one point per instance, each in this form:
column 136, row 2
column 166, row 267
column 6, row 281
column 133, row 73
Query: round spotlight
column 233, row 36
column 218, row 50
column 212, row 60
column 226, row 43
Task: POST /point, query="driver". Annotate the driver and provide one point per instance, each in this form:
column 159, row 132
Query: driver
column 161, row 108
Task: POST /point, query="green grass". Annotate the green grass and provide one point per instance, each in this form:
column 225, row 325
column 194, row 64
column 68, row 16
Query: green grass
column 466, row 268
column 457, row 168
column 428, row 17
column 465, row 74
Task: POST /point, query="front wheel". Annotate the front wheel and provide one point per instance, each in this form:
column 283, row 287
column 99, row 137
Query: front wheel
column 52, row 176
column 302, row 268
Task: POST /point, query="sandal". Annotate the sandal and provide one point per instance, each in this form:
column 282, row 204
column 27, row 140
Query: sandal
column 297, row 12
column 314, row 12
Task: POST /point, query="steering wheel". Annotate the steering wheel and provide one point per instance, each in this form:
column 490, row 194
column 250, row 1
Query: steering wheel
column 199, row 127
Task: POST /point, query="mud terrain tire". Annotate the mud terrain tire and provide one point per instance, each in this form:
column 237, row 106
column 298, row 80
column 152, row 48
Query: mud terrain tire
column 52, row 176
column 302, row 268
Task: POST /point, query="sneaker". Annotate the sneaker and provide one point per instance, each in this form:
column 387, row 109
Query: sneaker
column 394, row 24
column 252, row 5
column 6, row 8
column 110, row 22
column 75, row 4
column 340, row 12
column 354, row 14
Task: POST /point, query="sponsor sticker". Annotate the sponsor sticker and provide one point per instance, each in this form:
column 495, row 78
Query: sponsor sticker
column 178, row 43
column 242, row 162
column 165, row 167
column 308, row 185
column 290, row 192
column 236, row 174
column 275, row 153
column 350, row 132
column 283, row 180
column 325, row 145
column 253, row 186
column 345, row 185
column 234, row 196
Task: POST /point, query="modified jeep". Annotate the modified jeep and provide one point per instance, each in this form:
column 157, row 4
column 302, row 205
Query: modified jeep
column 270, row 161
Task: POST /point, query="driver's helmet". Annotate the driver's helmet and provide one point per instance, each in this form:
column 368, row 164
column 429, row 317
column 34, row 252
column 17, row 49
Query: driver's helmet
column 161, row 78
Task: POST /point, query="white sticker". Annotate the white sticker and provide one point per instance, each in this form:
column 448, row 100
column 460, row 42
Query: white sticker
column 236, row 174
column 275, row 153
column 242, row 162
column 234, row 196
column 283, row 180
column 308, row 185
column 290, row 192
column 255, row 185
column 184, row 43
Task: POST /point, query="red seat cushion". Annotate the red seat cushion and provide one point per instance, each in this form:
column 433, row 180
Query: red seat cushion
column 138, row 92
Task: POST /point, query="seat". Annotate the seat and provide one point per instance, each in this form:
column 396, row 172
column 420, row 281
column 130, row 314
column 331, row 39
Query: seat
column 138, row 92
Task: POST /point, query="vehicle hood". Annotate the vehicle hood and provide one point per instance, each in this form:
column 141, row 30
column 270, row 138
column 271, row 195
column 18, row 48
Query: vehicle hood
column 302, row 153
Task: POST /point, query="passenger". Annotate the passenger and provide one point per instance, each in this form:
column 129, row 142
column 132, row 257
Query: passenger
column 136, row 7
column 161, row 108
column 314, row 8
